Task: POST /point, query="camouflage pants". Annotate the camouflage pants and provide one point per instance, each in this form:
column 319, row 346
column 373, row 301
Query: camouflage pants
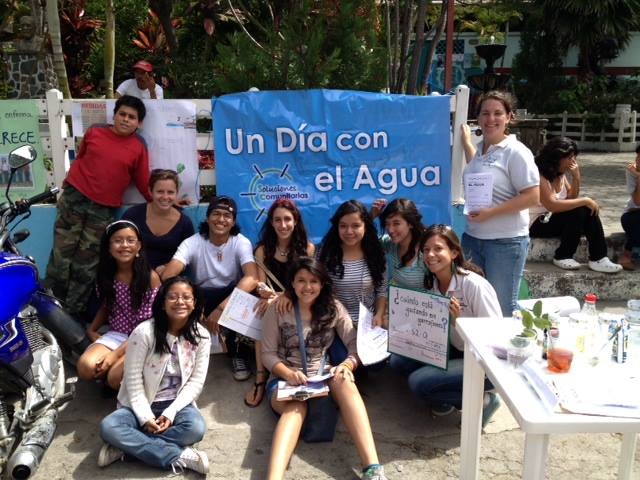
column 73, row 262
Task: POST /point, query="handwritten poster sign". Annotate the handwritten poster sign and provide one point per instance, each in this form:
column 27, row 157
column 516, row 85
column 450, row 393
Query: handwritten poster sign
column 19, row 126
column 419, row 326
column 321, row 148
column 239, row 315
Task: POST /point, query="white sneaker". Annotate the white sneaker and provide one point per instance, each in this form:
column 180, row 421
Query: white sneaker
column 566, row 264
column 192, row 459
column 605, row 265
column 109, row 454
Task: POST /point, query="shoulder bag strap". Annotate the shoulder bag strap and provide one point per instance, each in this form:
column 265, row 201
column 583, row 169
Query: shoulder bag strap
column 303, row 349
column 270, row 275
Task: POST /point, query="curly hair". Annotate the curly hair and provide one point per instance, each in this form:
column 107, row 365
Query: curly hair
column 446, row 233
column 323, row 310
column 552, row 153
column 331, row 247
column 409, row 213
column 107, row 267
column 161, row 319
column 269, row 238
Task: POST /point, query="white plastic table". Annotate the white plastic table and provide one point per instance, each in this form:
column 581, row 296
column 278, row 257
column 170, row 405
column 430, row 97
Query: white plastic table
column 535, row 421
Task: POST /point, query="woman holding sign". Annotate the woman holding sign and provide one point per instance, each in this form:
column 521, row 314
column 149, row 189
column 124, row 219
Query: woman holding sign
column 318, row 318
column 497, row 236
column 471, row 296
column 283, row 238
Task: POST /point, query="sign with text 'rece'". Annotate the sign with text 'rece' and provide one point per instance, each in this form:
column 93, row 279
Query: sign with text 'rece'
column 320, row 148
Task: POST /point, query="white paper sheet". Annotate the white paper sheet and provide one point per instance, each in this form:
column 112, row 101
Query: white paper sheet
column 371, row 341
column 478, row 191
column 239, row 315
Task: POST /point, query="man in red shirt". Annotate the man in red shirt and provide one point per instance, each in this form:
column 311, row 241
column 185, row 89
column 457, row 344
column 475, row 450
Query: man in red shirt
column 110, row 157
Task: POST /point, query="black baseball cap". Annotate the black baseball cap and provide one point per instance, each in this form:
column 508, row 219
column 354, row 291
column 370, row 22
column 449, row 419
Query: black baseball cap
column 227, row 204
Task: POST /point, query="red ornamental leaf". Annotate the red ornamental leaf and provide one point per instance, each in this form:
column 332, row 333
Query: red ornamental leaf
column 209, row 26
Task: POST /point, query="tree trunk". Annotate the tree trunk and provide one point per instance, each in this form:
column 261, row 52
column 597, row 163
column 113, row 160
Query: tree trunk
column 56, row 46
column 417, row 48
column 442, row 20
column 162, row 9
column 109, row 48
column 407, row 24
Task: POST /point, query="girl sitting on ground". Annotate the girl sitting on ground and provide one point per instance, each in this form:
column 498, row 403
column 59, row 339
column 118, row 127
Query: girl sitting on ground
column 631, row 216
column 354, row 258
column 126, row 287
column 283, row 238
column 164, row 373
column 321, row 319
column 471, row 296
column 563, row 214
column 402, row 223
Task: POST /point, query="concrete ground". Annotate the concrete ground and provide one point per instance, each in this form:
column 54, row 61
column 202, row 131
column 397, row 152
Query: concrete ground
column 410, row 443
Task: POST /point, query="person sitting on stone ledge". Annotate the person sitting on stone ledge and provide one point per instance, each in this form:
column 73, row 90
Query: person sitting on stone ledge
column 631, row 216
column 563, row 214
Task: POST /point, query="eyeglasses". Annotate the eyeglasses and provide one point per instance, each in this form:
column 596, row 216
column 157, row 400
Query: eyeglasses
column 129, row 242
column 186, row 298
column 219, row 214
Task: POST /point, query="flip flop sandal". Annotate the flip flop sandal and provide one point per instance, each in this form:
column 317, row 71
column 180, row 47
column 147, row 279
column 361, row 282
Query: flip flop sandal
column 258, row 394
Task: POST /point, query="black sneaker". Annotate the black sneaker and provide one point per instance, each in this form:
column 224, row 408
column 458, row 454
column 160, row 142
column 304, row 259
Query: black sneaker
column 240, row 369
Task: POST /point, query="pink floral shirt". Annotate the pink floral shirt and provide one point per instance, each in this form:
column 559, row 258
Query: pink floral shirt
column 122, row 317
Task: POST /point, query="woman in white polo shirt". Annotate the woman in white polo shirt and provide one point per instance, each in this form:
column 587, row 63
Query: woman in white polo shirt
column 471, row 296
column 496, row 238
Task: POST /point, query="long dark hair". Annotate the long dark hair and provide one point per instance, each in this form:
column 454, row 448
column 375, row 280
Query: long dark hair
column 323, row 310
column 161, row 319
column 453, row 242
column 269, row 237
column 331, row 248
column 141, row 278
column 551, row 154
column 409, row 212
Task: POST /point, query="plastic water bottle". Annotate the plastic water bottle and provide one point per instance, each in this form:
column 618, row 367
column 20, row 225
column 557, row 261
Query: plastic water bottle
column 592, row 333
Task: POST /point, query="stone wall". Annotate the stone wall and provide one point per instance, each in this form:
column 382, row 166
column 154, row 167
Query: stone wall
column 29, row 75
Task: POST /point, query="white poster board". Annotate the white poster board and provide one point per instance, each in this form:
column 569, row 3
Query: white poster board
column 419, row 326
column 239, row 315
column 169, row 129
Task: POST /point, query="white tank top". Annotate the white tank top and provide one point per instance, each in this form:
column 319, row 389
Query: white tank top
column 539, row 210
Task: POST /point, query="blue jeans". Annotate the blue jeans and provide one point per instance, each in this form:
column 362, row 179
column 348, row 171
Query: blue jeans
column 502, row 261
column 122, row 430
column 435, row 386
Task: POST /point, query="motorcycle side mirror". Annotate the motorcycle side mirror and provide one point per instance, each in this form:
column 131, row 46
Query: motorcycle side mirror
column 22, row 156
column 20, row 236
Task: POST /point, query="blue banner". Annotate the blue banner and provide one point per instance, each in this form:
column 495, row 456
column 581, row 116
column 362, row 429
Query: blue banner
column 320, row 148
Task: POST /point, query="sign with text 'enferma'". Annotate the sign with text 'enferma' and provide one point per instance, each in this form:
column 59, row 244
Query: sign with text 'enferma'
column 320, row 148
column 18, row 127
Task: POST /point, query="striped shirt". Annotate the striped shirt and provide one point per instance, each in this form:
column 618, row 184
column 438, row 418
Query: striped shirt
column 357, row 286
column 409, row 276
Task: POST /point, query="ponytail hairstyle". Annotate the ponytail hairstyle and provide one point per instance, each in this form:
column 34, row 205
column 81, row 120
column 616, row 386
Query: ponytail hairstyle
column 161, row 319
column 331, row 248
column 409, row 213
column 323, row 310
column 453, row 242
column 107, row 267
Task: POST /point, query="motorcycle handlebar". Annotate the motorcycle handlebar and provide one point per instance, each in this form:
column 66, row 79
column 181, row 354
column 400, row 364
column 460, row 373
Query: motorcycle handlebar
column 22, row 206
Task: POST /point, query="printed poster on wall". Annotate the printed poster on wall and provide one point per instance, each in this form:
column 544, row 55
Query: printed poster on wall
column 169, row 128
column 320, row 148
column 419, row 325
column 19, row 126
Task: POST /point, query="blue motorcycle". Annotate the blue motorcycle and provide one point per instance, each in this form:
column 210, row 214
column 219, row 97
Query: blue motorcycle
column 32, row 376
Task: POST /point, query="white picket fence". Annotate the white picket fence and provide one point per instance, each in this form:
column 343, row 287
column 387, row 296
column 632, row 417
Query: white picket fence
column 57, row 136
column 622, row 136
